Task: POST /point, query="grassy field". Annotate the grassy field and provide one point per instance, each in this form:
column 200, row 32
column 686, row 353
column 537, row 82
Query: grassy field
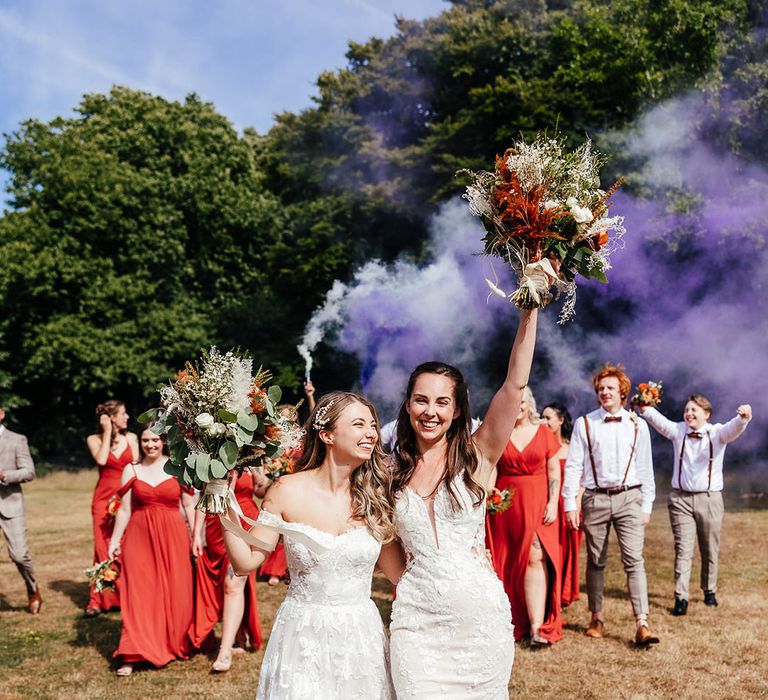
column 711, row 653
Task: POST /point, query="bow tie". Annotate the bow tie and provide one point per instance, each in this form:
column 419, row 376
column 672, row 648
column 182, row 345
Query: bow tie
column 695, row 435
column 612, row 419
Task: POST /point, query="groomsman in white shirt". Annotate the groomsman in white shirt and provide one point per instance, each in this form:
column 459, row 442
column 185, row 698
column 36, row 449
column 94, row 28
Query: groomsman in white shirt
column 696, row 501
column 610, row 455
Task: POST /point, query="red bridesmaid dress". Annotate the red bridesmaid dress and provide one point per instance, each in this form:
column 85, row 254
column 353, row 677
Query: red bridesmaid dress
column 103, row 524
column 275, row 564
column 511, row 532
column 156, row 576
column 570, row 543
column 212, row 568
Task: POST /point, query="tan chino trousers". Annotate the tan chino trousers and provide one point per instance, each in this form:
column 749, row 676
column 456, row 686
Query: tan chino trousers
column 623, row 511
column 692, row 515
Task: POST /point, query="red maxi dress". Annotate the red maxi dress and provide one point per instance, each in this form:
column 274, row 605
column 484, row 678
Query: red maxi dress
column 103, row 524
column 511, row 533
column 156, row 576
column 570, row 543
column 212, row 569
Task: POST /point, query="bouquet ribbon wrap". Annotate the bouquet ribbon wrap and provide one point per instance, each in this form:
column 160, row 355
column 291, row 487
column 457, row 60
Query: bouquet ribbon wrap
column 537, row 278
column 234, row 527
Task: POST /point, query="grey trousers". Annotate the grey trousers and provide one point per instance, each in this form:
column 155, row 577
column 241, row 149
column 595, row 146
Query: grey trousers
column 15, row 531
column 624, row 512
column 692, row 515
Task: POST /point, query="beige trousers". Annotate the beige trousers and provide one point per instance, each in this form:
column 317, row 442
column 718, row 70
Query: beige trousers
column 624, row 512
column 15, row 531
column 692, row 515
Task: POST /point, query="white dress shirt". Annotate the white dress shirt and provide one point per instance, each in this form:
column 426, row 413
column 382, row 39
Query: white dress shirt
column 693, row 475
column 611, row 448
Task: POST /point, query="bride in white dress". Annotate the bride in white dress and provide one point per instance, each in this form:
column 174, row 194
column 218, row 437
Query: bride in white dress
column 451, row 622
column 334, row 513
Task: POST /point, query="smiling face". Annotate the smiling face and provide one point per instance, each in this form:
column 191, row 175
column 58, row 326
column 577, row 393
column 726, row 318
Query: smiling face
column 695, row 416
column 151, row 445
column 353, row 436
column 609, row 394
column 554, row 420
column 432, row 406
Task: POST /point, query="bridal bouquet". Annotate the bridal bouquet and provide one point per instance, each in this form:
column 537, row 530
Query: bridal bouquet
column 542, row 204
column 103, row 576
column 648, row 394
column 218, row 417
column 497, row 501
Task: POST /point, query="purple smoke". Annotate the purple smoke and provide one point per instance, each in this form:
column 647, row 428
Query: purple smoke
column 686, row 300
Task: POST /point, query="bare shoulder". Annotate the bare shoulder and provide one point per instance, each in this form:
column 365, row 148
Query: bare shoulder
column 94, row 440
column 280, row 494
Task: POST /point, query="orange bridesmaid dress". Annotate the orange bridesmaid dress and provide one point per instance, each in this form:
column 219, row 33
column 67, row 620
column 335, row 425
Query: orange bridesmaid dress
column 103, row 524
column 570, row 543
column 212, row 568
column 511, row 532
column 156, row 576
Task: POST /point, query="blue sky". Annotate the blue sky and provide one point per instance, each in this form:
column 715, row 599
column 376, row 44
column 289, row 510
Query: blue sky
column 251, row 58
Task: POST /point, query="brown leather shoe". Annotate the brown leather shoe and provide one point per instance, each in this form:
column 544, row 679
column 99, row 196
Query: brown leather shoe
column 645, row 637
column 595, row 629
column 35, row 603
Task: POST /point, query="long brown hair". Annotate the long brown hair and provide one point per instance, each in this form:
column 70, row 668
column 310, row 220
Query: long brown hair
column 462, row 456
column 370, row 483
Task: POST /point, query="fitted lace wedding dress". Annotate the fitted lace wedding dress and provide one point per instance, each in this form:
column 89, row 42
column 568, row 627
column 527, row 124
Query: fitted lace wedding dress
column 327, row 641
column 451, row 623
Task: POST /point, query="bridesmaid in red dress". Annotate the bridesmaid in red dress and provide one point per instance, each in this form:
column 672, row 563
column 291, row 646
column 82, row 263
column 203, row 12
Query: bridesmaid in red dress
column 219, row 593
column 156, row 575
column 560, row 423
column 525, row 539
column 111, row 448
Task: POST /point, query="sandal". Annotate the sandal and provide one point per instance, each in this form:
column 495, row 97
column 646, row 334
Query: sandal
column 92, row 612
column 124, row 670
column 273, row 581
column 539, row 642
column 222, row 664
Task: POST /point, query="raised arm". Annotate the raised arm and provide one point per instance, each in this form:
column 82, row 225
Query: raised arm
column 660, row 423
column 736, row 426
column 99, row 445
column 245, row 557
column 493, row 434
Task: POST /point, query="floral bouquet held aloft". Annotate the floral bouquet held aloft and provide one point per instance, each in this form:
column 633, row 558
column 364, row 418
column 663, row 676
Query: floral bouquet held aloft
column 103, row 576
column 543, row 204
column 218, row 418
column 648, row 394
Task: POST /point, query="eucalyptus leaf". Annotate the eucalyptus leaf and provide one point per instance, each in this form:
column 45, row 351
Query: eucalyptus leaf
column 218, row 469
column 229, row 453
column 202, row 466
column 274, row 393
column 147, row 416
column 247, row 421
column 227, row 416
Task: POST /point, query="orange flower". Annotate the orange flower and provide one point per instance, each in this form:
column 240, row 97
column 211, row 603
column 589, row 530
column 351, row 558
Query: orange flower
column 109, row 575
column 272, row 432
column 258, row 399
column 496, row 498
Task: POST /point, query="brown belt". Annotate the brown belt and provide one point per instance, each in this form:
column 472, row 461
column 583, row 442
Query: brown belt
column 613, row 490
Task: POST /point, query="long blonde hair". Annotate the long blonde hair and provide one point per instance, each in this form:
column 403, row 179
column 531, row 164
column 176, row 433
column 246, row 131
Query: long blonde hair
column 533, row 415
column 370, row 483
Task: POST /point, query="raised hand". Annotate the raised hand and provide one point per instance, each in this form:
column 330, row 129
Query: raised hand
column 745, row 411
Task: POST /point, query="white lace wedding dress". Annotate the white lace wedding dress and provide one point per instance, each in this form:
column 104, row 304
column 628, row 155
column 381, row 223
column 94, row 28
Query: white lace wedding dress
column 451, row 622
column 327, row 641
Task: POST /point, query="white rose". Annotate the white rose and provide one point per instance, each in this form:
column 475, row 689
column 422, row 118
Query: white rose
column 217, row 429
column 571, row 202
column 551, row 204
column 582, row 214
column 204, row 420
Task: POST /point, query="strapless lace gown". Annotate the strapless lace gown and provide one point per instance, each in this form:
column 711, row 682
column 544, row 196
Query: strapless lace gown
column 451, row 628
column 327, row 641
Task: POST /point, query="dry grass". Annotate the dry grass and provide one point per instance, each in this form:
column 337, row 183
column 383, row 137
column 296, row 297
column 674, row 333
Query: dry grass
column 710, row 653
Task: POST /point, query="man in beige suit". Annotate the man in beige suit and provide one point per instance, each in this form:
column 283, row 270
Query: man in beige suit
column 16, row 467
